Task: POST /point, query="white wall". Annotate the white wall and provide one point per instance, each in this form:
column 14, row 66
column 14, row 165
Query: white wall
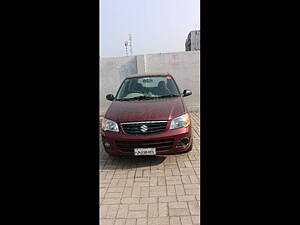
column 184, row 66
column 112, row 72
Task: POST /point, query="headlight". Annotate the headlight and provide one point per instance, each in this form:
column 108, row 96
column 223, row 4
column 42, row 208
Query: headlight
column 109, row 125
column 181, row 121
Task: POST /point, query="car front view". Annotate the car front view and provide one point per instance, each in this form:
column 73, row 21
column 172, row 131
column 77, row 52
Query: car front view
column 147, row 117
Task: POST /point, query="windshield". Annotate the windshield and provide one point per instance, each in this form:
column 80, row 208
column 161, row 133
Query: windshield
column 147, row 88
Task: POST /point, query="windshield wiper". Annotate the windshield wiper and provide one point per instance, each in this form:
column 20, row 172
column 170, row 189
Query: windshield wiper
column 137, row 98
column 168, row 96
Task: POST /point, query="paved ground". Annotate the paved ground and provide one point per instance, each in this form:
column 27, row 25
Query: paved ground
column 154, row 190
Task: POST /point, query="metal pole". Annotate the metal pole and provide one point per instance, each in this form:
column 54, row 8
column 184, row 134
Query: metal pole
column 126, row 44
column 130, row 44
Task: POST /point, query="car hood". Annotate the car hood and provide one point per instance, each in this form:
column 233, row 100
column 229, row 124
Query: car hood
column 146, row 110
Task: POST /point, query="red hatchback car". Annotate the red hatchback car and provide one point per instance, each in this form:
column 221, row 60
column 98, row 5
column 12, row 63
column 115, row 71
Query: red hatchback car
column 147, row 117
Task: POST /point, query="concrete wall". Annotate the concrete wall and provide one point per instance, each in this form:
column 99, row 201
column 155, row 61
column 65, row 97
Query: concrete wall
column 112, row 72
column 184, row 66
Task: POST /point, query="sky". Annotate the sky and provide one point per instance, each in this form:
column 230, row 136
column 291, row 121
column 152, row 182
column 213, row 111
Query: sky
column 156, row 26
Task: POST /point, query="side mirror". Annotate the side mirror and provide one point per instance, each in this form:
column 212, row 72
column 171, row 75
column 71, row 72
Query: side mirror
column 186, row 92
column 110, row 97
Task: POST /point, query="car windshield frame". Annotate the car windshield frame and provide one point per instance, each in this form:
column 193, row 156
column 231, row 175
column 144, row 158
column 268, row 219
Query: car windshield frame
column 145, row 97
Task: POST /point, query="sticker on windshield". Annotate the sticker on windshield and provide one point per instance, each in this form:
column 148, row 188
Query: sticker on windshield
column 169, row 78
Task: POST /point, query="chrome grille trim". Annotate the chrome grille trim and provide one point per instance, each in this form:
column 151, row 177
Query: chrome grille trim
column 157, row 121
column 153, row 127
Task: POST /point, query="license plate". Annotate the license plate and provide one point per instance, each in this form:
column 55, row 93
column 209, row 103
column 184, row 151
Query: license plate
column 144, row 151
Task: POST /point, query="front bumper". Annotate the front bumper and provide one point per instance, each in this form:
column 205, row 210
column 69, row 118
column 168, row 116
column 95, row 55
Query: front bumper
column 165, row 142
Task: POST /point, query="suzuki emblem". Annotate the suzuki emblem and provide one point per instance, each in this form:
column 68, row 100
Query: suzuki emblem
column 144, row 128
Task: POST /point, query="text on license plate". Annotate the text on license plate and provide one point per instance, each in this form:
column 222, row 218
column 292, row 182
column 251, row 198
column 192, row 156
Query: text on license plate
column 144, row 151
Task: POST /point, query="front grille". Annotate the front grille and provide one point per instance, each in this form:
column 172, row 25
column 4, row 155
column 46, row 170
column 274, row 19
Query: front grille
column 160, row 145
column 144, row 128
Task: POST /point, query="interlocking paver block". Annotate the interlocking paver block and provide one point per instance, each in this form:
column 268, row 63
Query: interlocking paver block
column 141, row 184
column 130, row 200
column 175, row 171
column 153, row 181
column 129, row 182
column 103, row 211
column 130, row 222
column 171, row 190
column 112, row 211
column 127, row 192
column 168, row 172
column 113, row 195
column 145, row 192
column 158, row 188
column 120, row 176
column 104, row 185
column 167, row 199
column 148, row 200
column 107, row 221
column 179, row 189
column 191, row 186
column 161, row 181
column 141, row 221
column 187, row 171
column 170, row 166
column 179, row 212
column 102, row 192
column 131, row 174
column 194, row 179
column 185, row 179
column 146, row 173
column 175, row 220
column 110, row 201
column 123, row 211
column 173, row 178
column 178, row 205
column 138, row 207
column 194, row 208
column 192, row 191
column 153, row 210
column 136, row 191
column 186, row 220
column 196, row 219
column 158, row 193
column 119, row 222
column 163, row 209
column 141, row 179
column 137, row 214
column 115, row 189
column 186, row 198
column 139, row 173
column 188, row 164
column 159, row 221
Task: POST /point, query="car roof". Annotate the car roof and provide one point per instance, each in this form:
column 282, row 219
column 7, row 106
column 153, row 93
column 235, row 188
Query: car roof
column 148, row 74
